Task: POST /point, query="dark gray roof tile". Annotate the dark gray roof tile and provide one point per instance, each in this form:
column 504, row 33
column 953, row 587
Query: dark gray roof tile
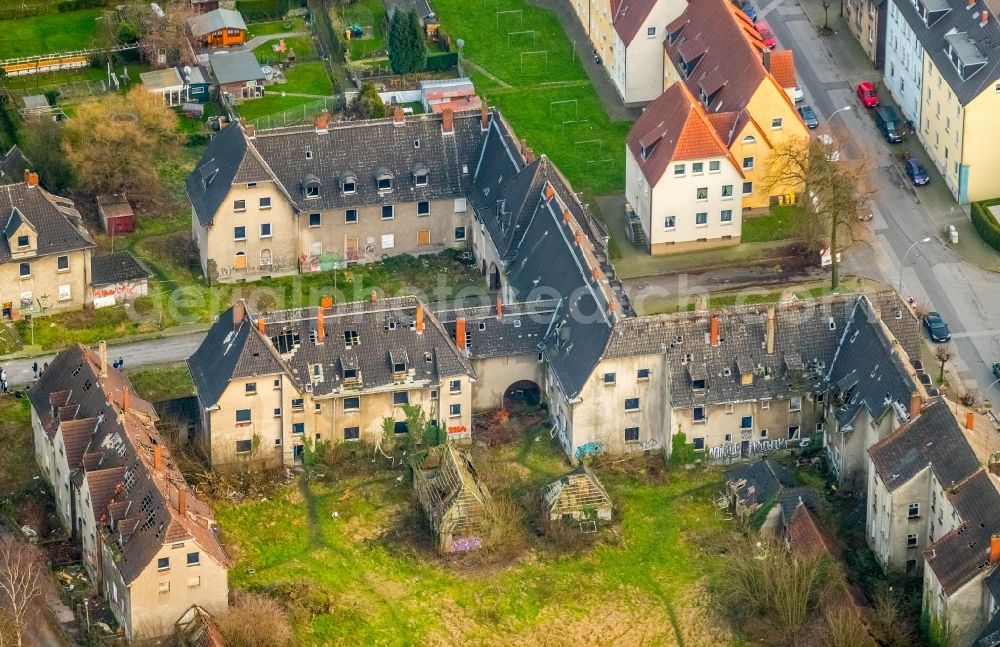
column 118, row 267
column 48, row 216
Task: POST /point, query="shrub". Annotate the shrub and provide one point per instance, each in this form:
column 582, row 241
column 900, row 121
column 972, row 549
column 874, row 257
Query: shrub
column 73, row 5
column 986, row 225
column 441, row 61
column 258, row 9
column 255, row 620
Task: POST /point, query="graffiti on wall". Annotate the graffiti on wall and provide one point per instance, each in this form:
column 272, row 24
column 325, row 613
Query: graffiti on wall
column 751, row 448
column 588, row 449
column 321, row 263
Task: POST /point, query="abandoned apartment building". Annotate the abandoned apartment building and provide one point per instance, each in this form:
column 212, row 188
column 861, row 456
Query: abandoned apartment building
column 146, row 541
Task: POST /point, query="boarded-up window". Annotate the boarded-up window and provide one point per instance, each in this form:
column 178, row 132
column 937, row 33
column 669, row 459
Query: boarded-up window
column 424, row 237
column 240, row 261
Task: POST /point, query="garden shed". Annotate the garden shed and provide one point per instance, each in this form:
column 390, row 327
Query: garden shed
column 577, row 496
column 456, row 503
column 117, row 216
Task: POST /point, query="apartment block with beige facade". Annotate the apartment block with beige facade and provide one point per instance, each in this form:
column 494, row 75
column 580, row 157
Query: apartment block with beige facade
column 745, row 89
column 45, row 252
column 628, row 36
column 308, row 199
column 867, row 22
column 268, row 385
column 944, row 69
column 149, row 544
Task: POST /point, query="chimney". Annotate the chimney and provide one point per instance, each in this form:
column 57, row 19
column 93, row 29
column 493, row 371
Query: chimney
column 915, row 403
column 374, row 297
column 595, row 273
column 484, row 117
column 249, row 130
column 323, row 121
column 262, row 325
column 714, row 330
column 460, row 332
column 499, row 308
column 182, row 504
column 969, row 4
column 529, row 156
column 103, row 354
column 239, row 313
column 970, row 421
column 766, row 60
column 994, row 548
column 612, row 308
column 398, row 116
column 567, row 216
column 420, row 320
column 126, row 400
column 550, row 193
column 984, row 19
column 524, row 147
column 157, row 458
column 30, row 178
column 326, row 302
column 770, row 330
column 320, row 325
column 578, row 238
column 448, row 121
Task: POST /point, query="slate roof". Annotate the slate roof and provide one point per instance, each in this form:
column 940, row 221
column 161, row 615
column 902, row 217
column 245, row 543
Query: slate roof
column 931, row 439
column 725, row 49
column 760, row 481
column 138, row 511
column 804, row 347
column 359, row 149
column 235, row 66
column 673, row 127
column 47, row 215
column 385, row 331
column 958, row 20
column 629, row 16
column 118, row 267
column 791, row 498
column 519, row 330
column 206, row 23
column 13, row 164
column 867, row 370
column 990, row 637
column 964, row 552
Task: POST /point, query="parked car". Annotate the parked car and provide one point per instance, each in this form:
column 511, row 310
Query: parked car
column 808, row 116
column 889, row 124
column 766, row 35
column 798, row 95
column 867, row 94
column 749, row 10
column 916, row 172
column 936, row 328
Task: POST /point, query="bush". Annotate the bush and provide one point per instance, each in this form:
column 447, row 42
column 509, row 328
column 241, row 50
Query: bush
column 73, row 5
column 260, row 9
column 255, row 620
column 441, row 61
column 986, row 224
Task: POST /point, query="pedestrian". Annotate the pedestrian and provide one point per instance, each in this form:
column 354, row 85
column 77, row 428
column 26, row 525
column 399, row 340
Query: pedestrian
column 34, row 367
column 121, row 363
column 3, row 384
column 3, row 374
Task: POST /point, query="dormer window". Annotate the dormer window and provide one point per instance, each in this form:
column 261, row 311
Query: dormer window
column 383, row 180
column 420, row 178
column 348, row 183
column 310, row 186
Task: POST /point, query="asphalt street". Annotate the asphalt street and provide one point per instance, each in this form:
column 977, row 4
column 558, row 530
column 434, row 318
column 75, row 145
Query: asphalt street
column 965, row 295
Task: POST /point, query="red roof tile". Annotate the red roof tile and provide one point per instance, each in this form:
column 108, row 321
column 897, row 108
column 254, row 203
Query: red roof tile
column 782, row 68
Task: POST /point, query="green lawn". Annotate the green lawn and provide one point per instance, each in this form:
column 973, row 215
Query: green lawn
column 370, row 15
column 162, row 382
column 48, row 33
column 353, row 552
column 303, row 46
column 275, row 27
column 780, row 224
column 303, row 78
column 549, row 101
column 17, row 457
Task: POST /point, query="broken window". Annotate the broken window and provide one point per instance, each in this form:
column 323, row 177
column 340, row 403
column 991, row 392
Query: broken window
column 351, row 338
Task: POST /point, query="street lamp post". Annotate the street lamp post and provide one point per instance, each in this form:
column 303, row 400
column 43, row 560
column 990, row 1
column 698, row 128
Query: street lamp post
column 836, row 111
column 902, row 263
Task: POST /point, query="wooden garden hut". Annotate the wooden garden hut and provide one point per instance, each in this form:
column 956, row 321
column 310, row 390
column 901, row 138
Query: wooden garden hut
column 578, row 496
column 457, row 504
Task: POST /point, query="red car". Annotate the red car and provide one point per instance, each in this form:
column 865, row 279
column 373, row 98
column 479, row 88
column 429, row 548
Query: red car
column 765, row 32
column 867, row 94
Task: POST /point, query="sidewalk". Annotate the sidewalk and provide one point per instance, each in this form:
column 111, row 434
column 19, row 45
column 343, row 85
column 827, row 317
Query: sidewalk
column 935, row 197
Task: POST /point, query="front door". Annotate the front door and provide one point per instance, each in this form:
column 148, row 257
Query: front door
column 298, row 452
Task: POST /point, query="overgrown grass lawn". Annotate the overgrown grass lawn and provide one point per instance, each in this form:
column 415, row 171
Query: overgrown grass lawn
column 48, row 33
column 371, row 16
column 779, row 224
column 275, row 27
column 162, row 382
column 357, row 545
column 547, row 98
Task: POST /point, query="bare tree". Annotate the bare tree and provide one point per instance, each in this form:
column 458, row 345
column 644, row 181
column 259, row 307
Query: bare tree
column 164, row 41
column 21, row 567
column 833, row 198
column 943, row 354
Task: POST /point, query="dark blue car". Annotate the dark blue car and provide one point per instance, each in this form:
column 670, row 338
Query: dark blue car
column 937, row 329
column 750, row 12
column 808, row 116
column 916, row 172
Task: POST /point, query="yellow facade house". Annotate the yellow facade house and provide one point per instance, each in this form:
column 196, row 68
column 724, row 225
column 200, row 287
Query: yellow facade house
column 745, row 89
